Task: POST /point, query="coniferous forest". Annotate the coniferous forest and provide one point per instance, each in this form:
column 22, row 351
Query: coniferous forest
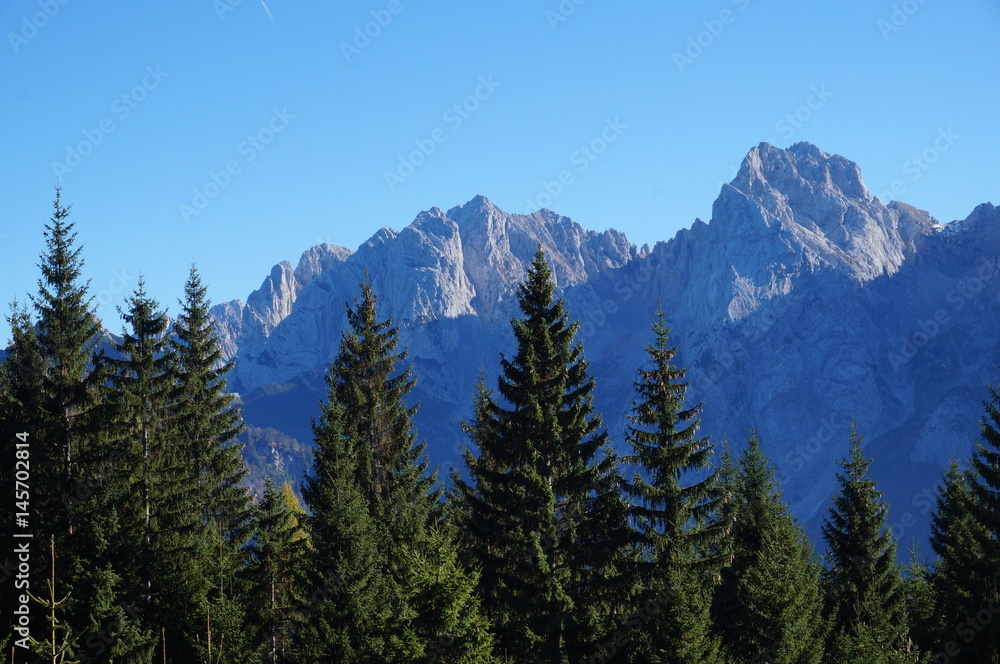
column 134, row 539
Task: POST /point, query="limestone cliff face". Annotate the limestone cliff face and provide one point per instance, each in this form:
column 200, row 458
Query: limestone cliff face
column 804, row 302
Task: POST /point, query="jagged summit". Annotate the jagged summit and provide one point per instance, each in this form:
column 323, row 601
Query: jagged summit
column 817, row 205
column 478, row 206
column 802, row 169
column 803, row 302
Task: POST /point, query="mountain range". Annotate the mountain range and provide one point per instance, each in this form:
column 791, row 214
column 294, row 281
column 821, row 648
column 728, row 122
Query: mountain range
column 804, row 304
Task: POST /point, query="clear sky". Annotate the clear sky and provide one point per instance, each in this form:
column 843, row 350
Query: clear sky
column 238, row 134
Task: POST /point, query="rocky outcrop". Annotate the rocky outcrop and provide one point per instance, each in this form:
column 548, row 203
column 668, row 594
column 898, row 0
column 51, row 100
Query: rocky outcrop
column 803, row 303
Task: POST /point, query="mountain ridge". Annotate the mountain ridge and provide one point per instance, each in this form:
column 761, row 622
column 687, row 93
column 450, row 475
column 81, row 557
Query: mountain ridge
column 791, row 308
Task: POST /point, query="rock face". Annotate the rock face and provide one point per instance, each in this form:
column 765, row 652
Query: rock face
column 804, row 302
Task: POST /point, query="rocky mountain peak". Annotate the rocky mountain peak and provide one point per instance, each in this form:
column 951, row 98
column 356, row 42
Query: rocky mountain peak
column 801, row 170
column 816, row 205
column 477, row 208
column 317, row 260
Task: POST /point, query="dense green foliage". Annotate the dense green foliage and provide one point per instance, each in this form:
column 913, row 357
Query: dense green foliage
column 864, row 582
column 769, row 605
column 392, row 588
column 675, row 508
column 544, row 519
column 148, row 546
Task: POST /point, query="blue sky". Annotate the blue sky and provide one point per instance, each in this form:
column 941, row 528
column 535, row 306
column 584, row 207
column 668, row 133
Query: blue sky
column 238, row 134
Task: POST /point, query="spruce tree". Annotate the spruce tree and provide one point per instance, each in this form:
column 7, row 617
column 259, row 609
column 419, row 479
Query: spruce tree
column 50, row 392
column 168, row 572
column 964, row 570
column 542, row 512
column 677, row 502
column 769, row 605
column 275, row 551
column 393, row 466
column 920, row 595
column 346, row 602
column 446, row 607
column 66, row 333
column 374, row 504
column 862, row 576
column 986, row 514
column 209, row 424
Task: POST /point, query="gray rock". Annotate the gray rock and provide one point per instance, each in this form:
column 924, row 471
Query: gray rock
column 804, row 302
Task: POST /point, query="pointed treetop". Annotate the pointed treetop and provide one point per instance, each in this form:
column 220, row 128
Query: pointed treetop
column 538, row 287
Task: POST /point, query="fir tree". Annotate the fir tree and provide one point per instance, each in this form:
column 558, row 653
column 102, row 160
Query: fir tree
column 769, row 604
column 962, row 574
column 373, row 505
column 442, row 595
column 676, row 505
column 275, row 552
column 986, row 515
column 543, row 515
column 209, row 424
column 66, row 332
column 346, row 605
column 920, row 603
column 392, row 465
column 50, row 391
column 168, row 571
column 869, row 616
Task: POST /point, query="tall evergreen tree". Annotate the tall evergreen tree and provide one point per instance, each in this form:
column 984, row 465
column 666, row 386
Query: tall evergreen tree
column 168, row 571
column 50, row 392
column 863, row 578
column 676, row 504
column 966, row 566
column 209, row 424
column 346, row 606
column 769, row 605
column 393, row 466
column 276, row 551
column 543, row 513
column 66, row 332
column 374, row 504
column 986, row 513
